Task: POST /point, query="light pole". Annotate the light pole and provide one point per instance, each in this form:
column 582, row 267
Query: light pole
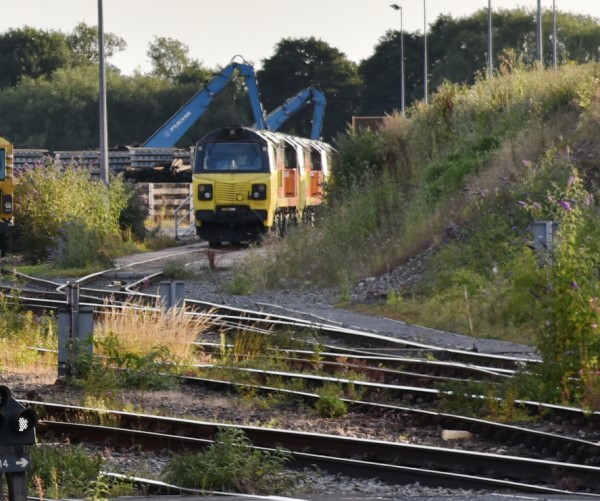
column 425, row 84
column 103, row 161
column 402, row 101
column 539, row 34
column 554, row 40
column 489, row 45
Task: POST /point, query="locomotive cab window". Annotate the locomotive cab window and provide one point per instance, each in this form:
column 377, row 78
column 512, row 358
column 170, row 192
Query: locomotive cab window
column 231, row 156
column 2, row 164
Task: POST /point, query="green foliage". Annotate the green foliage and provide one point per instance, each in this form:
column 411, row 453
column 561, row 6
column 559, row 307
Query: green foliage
column 60, row 207
column 331, row 407
column 231, row 465
column 121, row 368
column 569, row 337
column 133, row 216
column 303, row 62
column 69, row 471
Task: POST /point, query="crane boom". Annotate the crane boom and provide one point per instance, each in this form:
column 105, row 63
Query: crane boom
column 174, row 128
column 279, row 116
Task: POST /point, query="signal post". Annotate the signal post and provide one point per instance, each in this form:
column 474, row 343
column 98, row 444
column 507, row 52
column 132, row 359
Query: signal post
column 17, row 430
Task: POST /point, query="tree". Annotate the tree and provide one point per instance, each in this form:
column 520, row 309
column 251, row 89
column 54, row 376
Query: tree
column 381, row 74
column 83, row 42
column 304, row 62
column 457, row 52
column 33, row 53
column 169, row 57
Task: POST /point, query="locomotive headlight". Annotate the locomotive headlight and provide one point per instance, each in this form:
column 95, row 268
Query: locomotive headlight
column 205, row 192
column 258, row 191
column 7, row 204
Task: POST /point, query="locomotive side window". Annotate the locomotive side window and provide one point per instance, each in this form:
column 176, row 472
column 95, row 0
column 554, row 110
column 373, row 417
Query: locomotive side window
column 290, row 157
column 315, row 159
column 229, row 156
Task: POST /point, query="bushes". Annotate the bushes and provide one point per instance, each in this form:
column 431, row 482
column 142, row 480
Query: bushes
column 67, row 215
column 230, row 464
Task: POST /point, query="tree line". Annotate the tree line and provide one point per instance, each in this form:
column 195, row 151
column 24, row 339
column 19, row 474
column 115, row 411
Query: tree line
column 49, row 79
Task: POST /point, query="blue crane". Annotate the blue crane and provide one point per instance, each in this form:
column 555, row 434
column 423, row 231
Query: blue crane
column 174, row 128
column 279, row 116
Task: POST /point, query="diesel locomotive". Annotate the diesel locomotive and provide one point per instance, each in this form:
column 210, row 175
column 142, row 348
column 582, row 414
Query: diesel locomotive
column 247, row 182
column 6, row 193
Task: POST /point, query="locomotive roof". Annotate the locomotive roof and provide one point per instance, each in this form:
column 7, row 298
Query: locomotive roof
column 266, row 135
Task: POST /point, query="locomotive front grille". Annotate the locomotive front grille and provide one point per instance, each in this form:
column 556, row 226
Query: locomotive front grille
column 229, row 193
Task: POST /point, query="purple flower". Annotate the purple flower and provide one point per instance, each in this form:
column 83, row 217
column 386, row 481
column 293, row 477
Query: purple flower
column 537, row 205
column 574, row 285
column 521, row 203
column 565, row 204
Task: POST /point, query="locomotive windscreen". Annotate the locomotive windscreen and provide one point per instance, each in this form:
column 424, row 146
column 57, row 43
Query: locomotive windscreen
column 230, row 156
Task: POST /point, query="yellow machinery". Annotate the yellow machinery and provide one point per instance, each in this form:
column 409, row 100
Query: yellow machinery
column 6, row 193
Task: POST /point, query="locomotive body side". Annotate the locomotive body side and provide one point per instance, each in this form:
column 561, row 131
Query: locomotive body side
column 6, row 193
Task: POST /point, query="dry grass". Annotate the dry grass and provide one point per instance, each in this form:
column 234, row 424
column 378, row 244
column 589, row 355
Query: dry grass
column 140, row 329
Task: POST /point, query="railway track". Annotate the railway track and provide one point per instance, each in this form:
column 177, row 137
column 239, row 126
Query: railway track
column 392, row 461
column 404, row 369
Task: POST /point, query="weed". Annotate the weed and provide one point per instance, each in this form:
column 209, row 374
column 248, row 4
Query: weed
column 69, row 471
column 231, row 465
column 330, row 407
column 330, row 404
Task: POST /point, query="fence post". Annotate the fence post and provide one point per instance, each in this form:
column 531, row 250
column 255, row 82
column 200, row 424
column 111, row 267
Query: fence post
column 151, row 200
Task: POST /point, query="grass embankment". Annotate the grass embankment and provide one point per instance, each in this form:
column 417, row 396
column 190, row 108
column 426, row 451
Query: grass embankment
column 467, row 176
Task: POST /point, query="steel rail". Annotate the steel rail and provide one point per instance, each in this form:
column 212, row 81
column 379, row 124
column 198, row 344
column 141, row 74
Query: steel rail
column 170, row 433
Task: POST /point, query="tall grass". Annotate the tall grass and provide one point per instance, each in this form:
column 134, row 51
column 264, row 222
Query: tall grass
column 398, row 192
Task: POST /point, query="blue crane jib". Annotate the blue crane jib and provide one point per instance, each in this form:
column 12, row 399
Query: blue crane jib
column 174, row 128
column 279, row 116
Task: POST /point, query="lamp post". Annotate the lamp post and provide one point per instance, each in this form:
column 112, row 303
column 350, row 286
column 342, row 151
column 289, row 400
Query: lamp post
column 539, row 45
column 103, row 161
column 425, row 84
column 402, row 100
column 489, row 41
column 554, row 40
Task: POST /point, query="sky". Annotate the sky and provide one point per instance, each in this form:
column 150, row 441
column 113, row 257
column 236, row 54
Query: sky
column 216, row 31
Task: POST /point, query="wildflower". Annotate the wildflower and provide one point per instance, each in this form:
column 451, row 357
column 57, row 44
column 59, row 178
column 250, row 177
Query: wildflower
column 521, row 203
column 570, row 182
column 537, row 205
column 594, row 326
column 574, row 285
column 565, row 205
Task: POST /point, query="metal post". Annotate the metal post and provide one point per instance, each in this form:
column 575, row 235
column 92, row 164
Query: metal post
column 425, row 83
column 103, row 162
column 172, row 294
column 539, row 44
column 75, row 324
column 554, row 39
column 490, row 65
column 402, row 99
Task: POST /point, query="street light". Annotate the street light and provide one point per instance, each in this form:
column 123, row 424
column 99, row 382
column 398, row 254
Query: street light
column 539, row 34
column 425, row 85
column 490, row 65
column 103, row 161
column 554, row 41
column 402, row 107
